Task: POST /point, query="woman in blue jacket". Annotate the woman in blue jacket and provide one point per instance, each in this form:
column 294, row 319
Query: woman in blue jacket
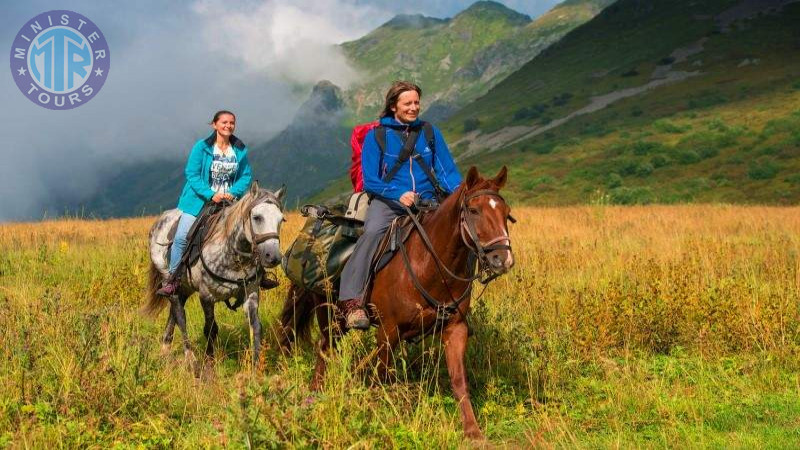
column 393, row 184
column 217, row 170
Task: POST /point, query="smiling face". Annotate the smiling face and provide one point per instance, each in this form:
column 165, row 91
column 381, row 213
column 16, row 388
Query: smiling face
column 406, row 109
column 224, row 125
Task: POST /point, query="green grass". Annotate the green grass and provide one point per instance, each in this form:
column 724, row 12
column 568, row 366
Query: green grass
column 619, row 327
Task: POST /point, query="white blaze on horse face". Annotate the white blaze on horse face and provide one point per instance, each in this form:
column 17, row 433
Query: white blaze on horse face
column 493, row 203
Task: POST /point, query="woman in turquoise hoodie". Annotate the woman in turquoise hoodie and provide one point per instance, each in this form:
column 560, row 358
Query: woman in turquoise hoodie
column 217, row 170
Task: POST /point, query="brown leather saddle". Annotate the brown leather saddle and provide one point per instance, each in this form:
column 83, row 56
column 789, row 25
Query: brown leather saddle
column 397, row 234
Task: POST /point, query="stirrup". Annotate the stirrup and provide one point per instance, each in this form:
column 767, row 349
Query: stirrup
column 355, row 316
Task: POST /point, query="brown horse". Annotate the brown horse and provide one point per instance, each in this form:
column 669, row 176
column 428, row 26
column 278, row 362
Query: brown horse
column 428, row 288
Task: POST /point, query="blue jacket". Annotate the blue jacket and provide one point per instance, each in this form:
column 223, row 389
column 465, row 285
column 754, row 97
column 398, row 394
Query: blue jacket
column 410, row 177
column 197, row 190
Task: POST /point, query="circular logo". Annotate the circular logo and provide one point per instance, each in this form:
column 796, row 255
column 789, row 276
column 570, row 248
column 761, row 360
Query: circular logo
column 60, row 59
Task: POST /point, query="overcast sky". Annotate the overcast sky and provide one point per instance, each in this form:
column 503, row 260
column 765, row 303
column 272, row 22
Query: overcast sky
column 172, row 65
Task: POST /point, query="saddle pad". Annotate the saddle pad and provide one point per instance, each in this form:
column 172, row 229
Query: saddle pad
column 196, row 235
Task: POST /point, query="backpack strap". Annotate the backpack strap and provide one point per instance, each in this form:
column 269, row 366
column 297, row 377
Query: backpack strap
column 405, row 153
column 427, row 129
column 409, row 151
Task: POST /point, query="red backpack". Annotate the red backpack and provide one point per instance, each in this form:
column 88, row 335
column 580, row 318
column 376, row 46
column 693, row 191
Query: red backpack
column 356, row 144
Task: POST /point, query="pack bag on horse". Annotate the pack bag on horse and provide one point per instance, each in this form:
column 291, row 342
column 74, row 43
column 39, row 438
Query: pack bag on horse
column 233, row 251
column 427, row 288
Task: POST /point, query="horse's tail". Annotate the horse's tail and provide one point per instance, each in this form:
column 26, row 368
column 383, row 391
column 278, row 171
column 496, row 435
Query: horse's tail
column 155, row 303
column 296, row 316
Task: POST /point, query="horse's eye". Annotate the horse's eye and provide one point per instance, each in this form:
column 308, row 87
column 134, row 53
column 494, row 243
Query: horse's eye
column 258, row 218
column 474, row 211
column 283, row 219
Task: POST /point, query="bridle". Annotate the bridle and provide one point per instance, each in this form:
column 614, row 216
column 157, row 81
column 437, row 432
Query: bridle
column 472, row 241
column 245, row 257
column 258, row 238
column 485, row 273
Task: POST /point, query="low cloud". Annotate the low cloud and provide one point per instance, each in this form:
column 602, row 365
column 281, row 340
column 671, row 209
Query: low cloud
column 294, row 40
column 172, row 65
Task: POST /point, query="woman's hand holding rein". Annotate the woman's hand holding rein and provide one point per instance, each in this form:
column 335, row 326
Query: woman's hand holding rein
column 408, row 198
column 220, row 196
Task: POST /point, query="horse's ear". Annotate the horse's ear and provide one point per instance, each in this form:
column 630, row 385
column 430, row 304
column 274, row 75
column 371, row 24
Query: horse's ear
column 254, row 188
column 280, row 193
column 501, row 177
column 472, row 177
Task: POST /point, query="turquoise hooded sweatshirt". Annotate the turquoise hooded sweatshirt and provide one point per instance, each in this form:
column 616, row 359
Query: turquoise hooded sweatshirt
column 197, row 190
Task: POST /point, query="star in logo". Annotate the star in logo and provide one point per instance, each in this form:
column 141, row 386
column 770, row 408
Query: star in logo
column 98, row 72
column 21, row 71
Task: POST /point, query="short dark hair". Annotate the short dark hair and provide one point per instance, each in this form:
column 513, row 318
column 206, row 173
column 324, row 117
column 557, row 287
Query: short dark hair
column 397, row 88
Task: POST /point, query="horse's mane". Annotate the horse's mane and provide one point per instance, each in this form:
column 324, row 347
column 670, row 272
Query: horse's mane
column 221, row 225
column 450, row 204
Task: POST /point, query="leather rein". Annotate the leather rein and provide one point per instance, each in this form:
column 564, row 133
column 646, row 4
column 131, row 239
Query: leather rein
column 249, row 257
column 469, row 236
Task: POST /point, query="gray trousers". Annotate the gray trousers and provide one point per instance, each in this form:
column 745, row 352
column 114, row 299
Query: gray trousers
column 354, row 275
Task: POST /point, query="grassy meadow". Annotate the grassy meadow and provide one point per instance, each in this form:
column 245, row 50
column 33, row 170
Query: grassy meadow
column 621, row 327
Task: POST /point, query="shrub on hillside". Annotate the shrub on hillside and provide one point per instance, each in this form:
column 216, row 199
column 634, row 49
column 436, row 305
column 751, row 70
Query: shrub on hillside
column 530, row 112
column 666, row 61
column 631, row 196
column 668, row 126
column 793, row 179
column 625, row 167
column 708, row 152
column 710, row 139
column 763, row 169
column 471, row 124
column 641, row 148
column 561, row 100
column 659, row 161
column 644, row 169
column 706, row 99
column 613, row 181
column 787, row 124
column 595, row 129
column 540, row 183
column 630, row 73
column 686, row 157
column 731, row 131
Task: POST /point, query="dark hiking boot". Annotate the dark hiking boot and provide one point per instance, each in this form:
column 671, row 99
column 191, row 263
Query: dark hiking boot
column 354, row 314
column 169, row 288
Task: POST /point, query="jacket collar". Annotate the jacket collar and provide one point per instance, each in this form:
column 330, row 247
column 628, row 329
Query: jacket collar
column 236, row 143
column 391, row 122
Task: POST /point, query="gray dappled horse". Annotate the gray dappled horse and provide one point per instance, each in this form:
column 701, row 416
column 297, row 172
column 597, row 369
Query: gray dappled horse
column 244, row 237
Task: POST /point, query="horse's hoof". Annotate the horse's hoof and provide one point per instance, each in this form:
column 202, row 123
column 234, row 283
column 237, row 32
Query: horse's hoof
column 166, row 349
column 191, row 362
column 475, row 435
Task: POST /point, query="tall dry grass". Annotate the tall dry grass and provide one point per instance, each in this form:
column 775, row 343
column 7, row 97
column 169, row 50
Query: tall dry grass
column 618, row 327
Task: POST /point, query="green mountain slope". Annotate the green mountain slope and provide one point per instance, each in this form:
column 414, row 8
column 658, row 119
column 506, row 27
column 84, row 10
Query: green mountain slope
column 455, row 60
column 312, row 151
column 651, row 101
